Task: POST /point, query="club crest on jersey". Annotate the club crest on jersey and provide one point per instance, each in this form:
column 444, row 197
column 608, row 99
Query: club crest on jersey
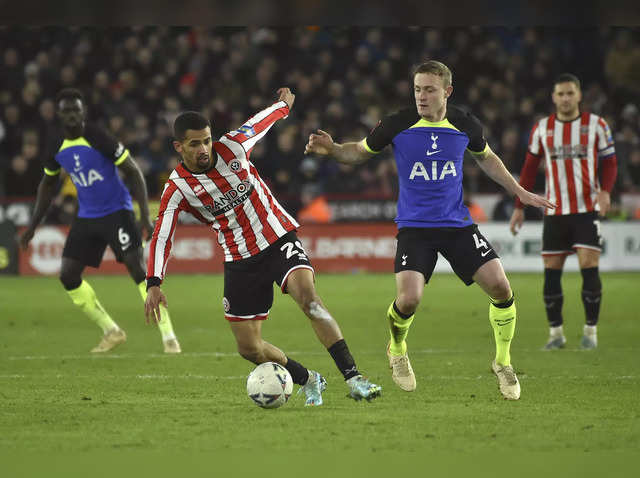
column 247, row 130
column 77, row 166
column 235, row 165
column 198, row 189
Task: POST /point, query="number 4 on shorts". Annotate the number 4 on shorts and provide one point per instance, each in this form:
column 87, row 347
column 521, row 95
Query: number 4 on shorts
column 479, row 242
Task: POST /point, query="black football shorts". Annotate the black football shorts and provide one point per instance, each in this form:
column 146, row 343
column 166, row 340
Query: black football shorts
column 465, row 248
column 564, row 234
column 248, row 283
column 88, row 237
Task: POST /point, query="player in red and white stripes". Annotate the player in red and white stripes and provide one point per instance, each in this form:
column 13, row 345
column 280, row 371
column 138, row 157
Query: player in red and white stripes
column 218, row 184
column 580, row 170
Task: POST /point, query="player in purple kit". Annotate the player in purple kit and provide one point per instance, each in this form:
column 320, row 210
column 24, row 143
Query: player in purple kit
column 429, row 141
column 92, row 159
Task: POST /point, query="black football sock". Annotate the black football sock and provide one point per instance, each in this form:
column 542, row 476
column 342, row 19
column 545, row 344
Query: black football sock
column 591, row 294
column 343, row 359
column 299, row 374
column 553, row 298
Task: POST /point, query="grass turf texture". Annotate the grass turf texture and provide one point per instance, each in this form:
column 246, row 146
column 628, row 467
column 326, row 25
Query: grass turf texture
column 58, row 398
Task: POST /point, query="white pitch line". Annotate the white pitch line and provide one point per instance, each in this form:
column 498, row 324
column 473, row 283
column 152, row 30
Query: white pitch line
column 486, row 376
column 301, row 353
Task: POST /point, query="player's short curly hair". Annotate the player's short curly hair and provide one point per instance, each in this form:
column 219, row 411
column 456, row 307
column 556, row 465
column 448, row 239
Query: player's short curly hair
column 69, row 94
column 435, row 68
column 188, row 120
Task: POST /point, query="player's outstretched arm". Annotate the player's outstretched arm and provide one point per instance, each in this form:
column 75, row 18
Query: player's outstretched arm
column 321, row 143
column 46, row 192
column 139, row 191
column 493, row 166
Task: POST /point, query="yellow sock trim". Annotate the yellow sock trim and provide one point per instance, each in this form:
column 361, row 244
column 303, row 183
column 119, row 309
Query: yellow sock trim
column 503, row 322
column 398, row 330
column 85, row 297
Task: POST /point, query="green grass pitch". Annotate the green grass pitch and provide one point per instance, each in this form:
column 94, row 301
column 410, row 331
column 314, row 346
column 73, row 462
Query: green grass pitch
column 58, row 398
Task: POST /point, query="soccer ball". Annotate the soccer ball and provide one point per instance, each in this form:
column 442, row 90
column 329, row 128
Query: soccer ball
column 269, row 385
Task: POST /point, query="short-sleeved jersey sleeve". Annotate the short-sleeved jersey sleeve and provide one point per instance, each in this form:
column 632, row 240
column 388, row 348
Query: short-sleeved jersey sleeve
column 49, row 163
column 469, row 124
column 110, row 147
column 387, row 128
column 477, row 141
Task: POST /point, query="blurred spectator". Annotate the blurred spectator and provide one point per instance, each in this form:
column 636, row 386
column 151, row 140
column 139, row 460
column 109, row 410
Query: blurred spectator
column 315, row 208
column 24, row 174
column 622, row 66
column 475, row 210
column 503, row 210
column 137, row 79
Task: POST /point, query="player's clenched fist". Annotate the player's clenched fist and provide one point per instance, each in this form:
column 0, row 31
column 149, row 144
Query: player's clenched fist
column 286, row 96
column 320, row 143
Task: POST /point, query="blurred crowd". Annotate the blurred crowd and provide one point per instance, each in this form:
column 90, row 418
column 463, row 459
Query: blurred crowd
column 137, row 79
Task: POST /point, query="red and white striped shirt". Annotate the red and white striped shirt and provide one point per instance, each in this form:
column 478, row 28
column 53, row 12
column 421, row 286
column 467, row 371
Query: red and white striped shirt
column 231, row 197
column 571, row 151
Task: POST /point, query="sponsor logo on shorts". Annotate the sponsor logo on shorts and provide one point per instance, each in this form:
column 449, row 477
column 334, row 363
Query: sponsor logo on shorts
column 225, row 304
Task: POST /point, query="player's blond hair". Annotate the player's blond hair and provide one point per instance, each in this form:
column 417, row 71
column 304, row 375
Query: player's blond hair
column 435, row 68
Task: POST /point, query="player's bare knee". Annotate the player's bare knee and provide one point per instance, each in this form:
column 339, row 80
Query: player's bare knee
column 251, row 352
column 501, row 289
column 408, row 303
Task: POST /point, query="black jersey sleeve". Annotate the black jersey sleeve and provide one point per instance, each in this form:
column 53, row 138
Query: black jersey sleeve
column 49, row 163
column 469, row 124
column 102, row 141
column 387, row 129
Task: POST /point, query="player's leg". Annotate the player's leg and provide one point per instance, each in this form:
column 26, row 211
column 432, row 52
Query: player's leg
column 589, row 259
column 82, row 248
column 248, row 297
column 298, row 283
column 588, row 243
column 251, row 346
column 502, row 316
column 415, row 260
column 502, row 310
column 121, row 232
column 133, row 260
column 294, row 274
column 401, row 312
column 474, row 259
column 553, row 299
column 556, row 245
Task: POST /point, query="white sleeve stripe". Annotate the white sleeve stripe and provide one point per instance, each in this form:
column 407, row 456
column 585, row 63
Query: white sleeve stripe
column 236, row 147
column 165, row 233
column 265, row 112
